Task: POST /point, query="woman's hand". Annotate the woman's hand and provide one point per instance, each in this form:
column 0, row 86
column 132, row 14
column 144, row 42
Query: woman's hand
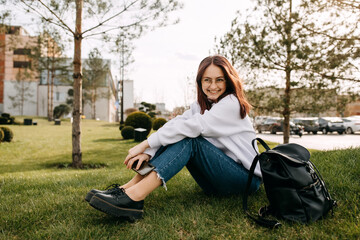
column 137, row 153
column 141, row 157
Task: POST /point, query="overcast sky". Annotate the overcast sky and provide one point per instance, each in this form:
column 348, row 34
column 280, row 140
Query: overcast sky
column 165, row 57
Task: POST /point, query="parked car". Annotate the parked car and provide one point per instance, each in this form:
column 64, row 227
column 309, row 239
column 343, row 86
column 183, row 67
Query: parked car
column 331, row 124
column 266, row 125
column 352, row 124
column 259, row 120
column 310, row 124
column 274, row 125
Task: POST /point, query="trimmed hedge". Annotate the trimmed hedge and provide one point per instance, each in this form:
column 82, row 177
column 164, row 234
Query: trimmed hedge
column 8, row 134
column 5, row 115
column 139, row 120
column 128, row 132
column 158, row 123
column 6, row 119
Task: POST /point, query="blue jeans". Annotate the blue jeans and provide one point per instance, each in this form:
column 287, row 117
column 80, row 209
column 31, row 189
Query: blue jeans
column 213, row 170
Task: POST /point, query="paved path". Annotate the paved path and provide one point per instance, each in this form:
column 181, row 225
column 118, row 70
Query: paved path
column 319, row 141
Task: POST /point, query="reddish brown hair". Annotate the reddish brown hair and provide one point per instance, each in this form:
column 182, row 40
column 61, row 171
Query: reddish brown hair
column 233, row 84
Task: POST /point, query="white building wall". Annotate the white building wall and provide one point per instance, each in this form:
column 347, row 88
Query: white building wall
column 128, row 95
column 105, row 107
column 29, row 107
column 59, row 97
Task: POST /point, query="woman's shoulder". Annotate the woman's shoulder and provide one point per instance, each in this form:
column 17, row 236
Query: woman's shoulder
column 229, row 99
column 195, row 107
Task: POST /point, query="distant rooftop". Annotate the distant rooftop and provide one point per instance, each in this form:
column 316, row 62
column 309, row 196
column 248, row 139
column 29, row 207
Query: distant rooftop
column 7, row 29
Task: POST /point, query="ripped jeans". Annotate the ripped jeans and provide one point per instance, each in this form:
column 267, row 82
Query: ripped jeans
column 213, row 170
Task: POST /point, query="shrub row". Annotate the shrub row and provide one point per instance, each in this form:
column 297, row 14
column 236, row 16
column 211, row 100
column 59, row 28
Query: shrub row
column 6, row 119
column 139, row 120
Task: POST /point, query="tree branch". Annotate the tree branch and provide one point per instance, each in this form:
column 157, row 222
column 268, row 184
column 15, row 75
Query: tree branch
column 126, row 26
column 119, row 13
column 42, row 16
column 330, row 36
column 341, row 78
column 65, row 26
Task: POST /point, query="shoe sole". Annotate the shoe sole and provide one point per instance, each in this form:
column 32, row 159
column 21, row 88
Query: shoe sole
column 89, row 195
column 115, row 211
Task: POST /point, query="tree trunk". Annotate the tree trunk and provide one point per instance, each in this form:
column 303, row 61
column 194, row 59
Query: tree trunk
column 52, row 86
column 286, row 112
column 93, row 100
column 22, row 95
column 48, row 83
column 287, row 95
column 76, row 130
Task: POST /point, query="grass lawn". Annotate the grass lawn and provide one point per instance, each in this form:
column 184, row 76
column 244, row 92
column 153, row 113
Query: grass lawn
column 40, row 201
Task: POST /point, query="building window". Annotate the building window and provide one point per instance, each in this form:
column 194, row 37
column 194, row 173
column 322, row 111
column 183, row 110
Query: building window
column 19, row 64
column 22, row 51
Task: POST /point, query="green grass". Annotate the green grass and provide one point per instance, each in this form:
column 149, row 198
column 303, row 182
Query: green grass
column 40, row 201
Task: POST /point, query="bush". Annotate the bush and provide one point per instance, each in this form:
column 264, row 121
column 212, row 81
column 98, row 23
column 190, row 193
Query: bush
column 11, row 120
column 5, row 115
column 127, row 132
column 8, row 134
column 61, row 110
column 139, row 120
column 4, row 120
column 152, row 114
column 1, row 135
column 158, row 123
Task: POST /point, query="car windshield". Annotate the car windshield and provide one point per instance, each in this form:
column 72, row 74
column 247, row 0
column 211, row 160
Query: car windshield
column 334, row 120
column 310, row 122
column 270, row 120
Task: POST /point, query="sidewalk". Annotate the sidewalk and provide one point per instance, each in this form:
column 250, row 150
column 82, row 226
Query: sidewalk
column 319, row 141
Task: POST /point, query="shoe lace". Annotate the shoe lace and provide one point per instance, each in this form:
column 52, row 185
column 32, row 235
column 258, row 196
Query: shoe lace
column 118, row 192
column 115, row 185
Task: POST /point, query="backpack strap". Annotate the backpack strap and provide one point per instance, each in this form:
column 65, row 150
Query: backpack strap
column 259, row 220
column 263, row 143
column 333, row 202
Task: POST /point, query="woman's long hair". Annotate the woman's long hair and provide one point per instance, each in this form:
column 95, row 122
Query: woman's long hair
column 233, row 84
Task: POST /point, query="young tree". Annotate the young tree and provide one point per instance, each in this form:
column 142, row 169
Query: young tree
column 107, row 17
column 49, row 62
column 95, row 72
column 275, row 45
column 23, row 91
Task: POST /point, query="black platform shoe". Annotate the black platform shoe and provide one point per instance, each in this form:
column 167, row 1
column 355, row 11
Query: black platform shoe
column 118, row 204
column 108, row 189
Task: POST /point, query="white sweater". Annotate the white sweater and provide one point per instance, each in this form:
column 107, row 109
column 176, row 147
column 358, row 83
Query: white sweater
column 221, row 126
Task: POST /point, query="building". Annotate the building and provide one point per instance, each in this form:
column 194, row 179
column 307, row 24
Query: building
column 128, row 97
column 25, row 91
column 18, row 82
column 104, row 108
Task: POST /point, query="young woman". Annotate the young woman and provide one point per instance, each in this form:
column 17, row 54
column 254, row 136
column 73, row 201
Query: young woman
column 212, row 139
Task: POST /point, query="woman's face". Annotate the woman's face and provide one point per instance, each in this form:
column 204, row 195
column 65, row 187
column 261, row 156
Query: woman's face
column 213, row 82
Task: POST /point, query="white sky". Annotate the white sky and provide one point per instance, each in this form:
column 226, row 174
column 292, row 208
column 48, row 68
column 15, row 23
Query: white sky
column 165, row 57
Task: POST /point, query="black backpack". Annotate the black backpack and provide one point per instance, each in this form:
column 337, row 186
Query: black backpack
column 293, row 185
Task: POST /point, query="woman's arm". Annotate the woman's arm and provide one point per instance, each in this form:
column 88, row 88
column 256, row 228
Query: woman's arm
column 223, row 119
column 186, row 115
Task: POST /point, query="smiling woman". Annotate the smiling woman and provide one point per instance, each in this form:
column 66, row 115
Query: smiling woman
column 216, row 79
column 212, row 139
column 213, row 83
